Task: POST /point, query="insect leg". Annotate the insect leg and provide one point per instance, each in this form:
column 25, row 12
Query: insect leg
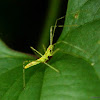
column 52, row 31
column 36, row 51
column 55, row 51
column 74, row 46
column 23, row 75
column 56, row 24
column 51, row 67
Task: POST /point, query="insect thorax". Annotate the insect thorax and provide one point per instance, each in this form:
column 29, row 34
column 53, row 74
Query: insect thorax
column 49, row 50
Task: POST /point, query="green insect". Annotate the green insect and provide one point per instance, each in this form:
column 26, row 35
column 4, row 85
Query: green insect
column 48, row 53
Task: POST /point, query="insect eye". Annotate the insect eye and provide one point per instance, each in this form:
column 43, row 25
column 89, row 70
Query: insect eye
column 50, row 50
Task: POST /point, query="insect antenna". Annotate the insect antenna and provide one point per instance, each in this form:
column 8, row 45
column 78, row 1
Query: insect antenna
column 52, row 30
column 51, row 36
column 56, row 24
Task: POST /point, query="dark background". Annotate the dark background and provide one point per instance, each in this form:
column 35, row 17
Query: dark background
column 21, row 22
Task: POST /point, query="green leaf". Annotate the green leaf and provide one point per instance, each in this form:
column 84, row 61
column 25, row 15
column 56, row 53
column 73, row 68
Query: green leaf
column 78, row 62
column 87, row 35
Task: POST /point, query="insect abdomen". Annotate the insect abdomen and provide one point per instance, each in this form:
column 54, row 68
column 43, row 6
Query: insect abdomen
column 31, row 64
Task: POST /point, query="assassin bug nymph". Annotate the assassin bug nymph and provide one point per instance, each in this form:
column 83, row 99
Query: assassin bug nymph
column 48, row 53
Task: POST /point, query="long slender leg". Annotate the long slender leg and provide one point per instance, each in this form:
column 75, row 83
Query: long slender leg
column 55, row 51
column 23, row 75
column 53, row 31
column 56, row 24
column 51, row 67
column 51, row 36
column 74, row 46
column 36, row 51
column 61, row 25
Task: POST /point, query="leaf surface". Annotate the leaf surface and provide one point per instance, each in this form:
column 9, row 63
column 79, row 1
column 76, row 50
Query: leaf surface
column 78, row 62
